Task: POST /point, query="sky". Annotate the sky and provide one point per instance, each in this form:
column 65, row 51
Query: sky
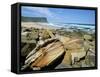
column 60, row 15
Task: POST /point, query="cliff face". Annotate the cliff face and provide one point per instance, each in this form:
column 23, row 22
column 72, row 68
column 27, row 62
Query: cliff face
column 34, row 19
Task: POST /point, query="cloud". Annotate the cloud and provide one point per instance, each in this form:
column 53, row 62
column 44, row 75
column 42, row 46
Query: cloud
column 44, row 11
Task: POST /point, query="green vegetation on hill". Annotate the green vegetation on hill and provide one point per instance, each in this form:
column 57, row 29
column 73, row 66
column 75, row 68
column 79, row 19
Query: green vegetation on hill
column 34, row 19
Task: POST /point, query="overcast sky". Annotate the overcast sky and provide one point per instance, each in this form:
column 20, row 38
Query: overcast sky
column 55, row 15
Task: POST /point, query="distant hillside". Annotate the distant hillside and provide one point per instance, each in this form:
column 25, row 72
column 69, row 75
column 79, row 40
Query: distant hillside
column 34, row 19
